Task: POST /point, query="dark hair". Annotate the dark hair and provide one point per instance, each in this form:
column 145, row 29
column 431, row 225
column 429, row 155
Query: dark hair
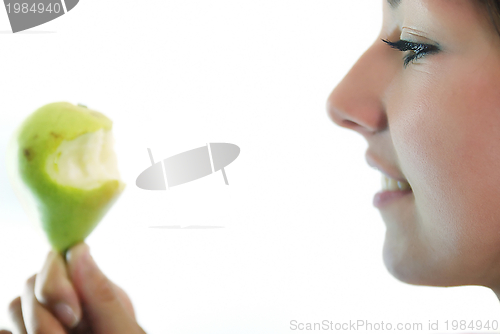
column 493, row 8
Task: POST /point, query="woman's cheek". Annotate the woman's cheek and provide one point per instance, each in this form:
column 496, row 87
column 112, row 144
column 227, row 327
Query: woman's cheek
column 427, row 140
column 480, row 123
column 447, row 136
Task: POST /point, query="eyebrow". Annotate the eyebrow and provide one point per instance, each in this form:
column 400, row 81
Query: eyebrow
column 394, row 3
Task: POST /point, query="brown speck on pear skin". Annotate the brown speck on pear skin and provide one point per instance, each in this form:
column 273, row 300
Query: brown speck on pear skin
column 28, row 153
column 55, row 135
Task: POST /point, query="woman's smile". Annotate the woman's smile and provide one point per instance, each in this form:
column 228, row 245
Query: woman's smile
column 393, row 186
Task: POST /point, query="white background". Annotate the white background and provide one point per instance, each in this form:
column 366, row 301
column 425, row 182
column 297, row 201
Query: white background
column 301, row 239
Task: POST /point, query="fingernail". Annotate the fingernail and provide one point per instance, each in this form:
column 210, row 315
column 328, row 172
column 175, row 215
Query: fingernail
column 66, row 315
column 77, row 251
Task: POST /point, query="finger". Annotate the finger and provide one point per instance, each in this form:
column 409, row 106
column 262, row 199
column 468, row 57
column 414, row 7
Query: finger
column 3, row 331
column 16, row 314
column 98, row 295
column 124, row 299
column 83, row 326
column 37, row 319
column 54, row 290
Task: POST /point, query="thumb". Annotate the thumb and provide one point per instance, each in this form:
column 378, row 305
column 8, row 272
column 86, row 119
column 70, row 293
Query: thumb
column 100, row 301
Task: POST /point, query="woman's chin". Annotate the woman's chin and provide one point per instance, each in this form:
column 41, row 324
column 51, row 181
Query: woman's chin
column 412, row 265
column 408, row 264
column 399, row 267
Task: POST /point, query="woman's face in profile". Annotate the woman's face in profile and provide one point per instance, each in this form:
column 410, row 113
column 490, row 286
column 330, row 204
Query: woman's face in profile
column 434, row 122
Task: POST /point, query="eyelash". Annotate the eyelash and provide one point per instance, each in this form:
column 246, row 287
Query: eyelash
column 419, row 50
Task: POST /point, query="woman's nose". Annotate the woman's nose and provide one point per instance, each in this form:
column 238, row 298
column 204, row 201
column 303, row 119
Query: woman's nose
column 357, row 101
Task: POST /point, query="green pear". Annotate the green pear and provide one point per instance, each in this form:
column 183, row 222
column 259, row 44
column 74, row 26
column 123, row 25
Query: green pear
column 64, row 170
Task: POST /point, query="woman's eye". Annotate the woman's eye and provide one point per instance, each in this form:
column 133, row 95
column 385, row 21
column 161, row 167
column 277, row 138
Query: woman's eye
column 417, row 50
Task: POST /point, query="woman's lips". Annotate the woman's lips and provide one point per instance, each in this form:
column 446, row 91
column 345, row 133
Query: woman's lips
column 394, row 185
column 392, row 190
column 385, row 197
column 385, row 168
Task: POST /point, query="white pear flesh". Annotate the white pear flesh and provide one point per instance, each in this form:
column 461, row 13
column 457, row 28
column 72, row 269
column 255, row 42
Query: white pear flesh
column 84, row 162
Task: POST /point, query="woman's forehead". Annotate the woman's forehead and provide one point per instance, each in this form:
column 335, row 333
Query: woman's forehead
column 435, row 6
column 440, row 16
